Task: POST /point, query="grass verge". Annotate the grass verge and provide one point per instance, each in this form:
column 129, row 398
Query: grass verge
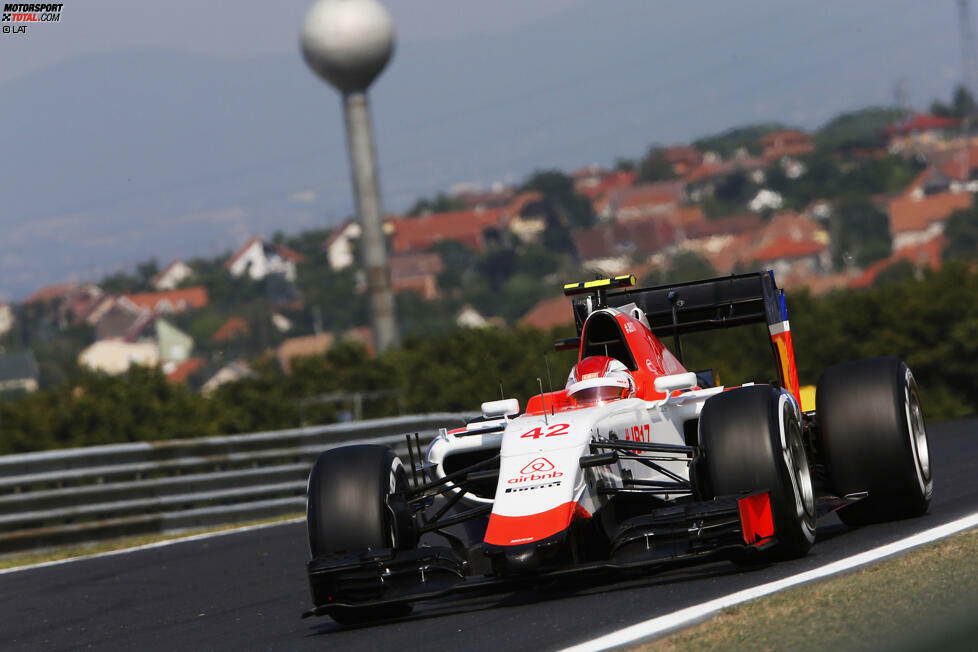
column 85, row 550
column 925, row 599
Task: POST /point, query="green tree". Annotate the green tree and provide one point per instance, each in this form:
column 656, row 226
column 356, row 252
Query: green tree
column 961, row 231
column 684, row 266
column 860, row 231
column 558, row 188
column 962, row 104
column 623, row 164
column 860, row 128
column 898, row 272
column 440, row 203
column 726, row 143
column 654, row 166
column 827, row 176
column 309, row 243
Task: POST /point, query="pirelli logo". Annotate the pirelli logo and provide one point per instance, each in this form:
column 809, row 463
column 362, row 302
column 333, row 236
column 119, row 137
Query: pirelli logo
column 514, row 490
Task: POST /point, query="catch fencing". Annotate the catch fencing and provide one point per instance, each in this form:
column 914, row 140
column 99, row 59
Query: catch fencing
column 81, row 495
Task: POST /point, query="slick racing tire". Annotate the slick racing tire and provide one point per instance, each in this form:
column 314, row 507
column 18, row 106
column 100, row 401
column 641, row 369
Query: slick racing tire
column 752, row 441
column 347, row 511
column 872, row 434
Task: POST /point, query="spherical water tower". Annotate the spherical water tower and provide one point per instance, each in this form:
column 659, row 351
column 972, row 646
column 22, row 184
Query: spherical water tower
column 348, row 43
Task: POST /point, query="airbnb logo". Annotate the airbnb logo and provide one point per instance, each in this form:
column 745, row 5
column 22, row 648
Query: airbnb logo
column 539, row 465
column 538, row 469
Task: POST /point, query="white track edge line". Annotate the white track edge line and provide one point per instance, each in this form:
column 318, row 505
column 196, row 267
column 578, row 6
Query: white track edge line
column 149, row 546
column 662, row 624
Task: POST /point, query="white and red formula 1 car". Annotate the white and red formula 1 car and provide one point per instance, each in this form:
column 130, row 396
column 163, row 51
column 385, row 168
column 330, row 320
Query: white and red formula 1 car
column 636, row 463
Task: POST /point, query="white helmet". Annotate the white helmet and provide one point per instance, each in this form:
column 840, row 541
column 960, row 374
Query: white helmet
column 598, row 379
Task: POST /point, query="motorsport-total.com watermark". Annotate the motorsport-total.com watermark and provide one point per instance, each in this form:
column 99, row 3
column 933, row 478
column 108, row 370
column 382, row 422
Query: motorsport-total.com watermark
column 22, row 15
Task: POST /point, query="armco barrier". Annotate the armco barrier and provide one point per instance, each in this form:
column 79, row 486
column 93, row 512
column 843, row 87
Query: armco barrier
column 80, row 495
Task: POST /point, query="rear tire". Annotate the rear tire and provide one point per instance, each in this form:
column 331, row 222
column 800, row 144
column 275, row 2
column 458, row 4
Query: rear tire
column 347, row 512
column 752, row 441
column 872, row 432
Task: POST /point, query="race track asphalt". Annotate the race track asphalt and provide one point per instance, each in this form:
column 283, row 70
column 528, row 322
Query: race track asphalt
column 246, row 591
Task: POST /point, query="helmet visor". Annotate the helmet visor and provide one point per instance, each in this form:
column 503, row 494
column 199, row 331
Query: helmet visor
column 599, row 395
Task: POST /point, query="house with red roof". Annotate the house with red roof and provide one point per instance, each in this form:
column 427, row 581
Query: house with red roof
column 593, row 182
column 794, row 257
column 78, row 303
column 918, row 130
column 792, row 245
column 257, row 259
column 469, row 227
column 549, row 313
column 300, row 347
column 921, row 123
column 48, row 293
column 701, row 181
column 233, row 328
column 180, row 372
column 730, row 225
column 416, row 272
column 920, row 255
column 712, row 238
column 683, row 158
column 610, row 248
column 171, row 301
column 917, row 218
column 642, row 201
column 601, row 251
column 786, row 142
column 954, row 166
column 122, row 320
column 528, row 216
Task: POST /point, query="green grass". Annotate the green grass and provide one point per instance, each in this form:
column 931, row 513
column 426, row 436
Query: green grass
column 925, row 599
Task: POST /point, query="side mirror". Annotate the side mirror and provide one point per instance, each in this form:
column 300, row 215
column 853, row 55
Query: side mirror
column 504, row 408
column 666, row 384
column 705, row 378
column 567, row 344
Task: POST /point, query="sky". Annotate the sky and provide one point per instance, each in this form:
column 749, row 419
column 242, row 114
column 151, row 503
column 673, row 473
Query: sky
column 132, row 131
column 246, row 28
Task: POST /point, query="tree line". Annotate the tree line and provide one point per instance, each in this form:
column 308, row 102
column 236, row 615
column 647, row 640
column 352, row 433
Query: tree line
column 930, row 321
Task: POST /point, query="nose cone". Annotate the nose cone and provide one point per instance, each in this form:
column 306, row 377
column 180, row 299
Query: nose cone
column 347, row 42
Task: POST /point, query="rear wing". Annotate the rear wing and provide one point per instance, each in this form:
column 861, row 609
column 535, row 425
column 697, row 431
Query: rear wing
column 702, row 305
column 711, row 304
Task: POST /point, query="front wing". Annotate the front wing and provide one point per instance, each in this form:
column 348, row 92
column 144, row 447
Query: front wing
column 669, row 535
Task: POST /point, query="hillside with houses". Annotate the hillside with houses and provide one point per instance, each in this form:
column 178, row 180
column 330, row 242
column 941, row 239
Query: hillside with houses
column 873, row 197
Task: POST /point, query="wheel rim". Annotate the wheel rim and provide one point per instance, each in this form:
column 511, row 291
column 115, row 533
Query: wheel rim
column 918, row 432
column 800, row 473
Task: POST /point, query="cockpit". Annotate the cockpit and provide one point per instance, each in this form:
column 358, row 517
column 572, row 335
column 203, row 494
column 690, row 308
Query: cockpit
column 602, row 335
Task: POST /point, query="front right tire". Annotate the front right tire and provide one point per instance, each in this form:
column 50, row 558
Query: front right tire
column 348, row 512
column 752, row 441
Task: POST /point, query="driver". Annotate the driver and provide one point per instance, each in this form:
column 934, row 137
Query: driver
column 598, row 379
